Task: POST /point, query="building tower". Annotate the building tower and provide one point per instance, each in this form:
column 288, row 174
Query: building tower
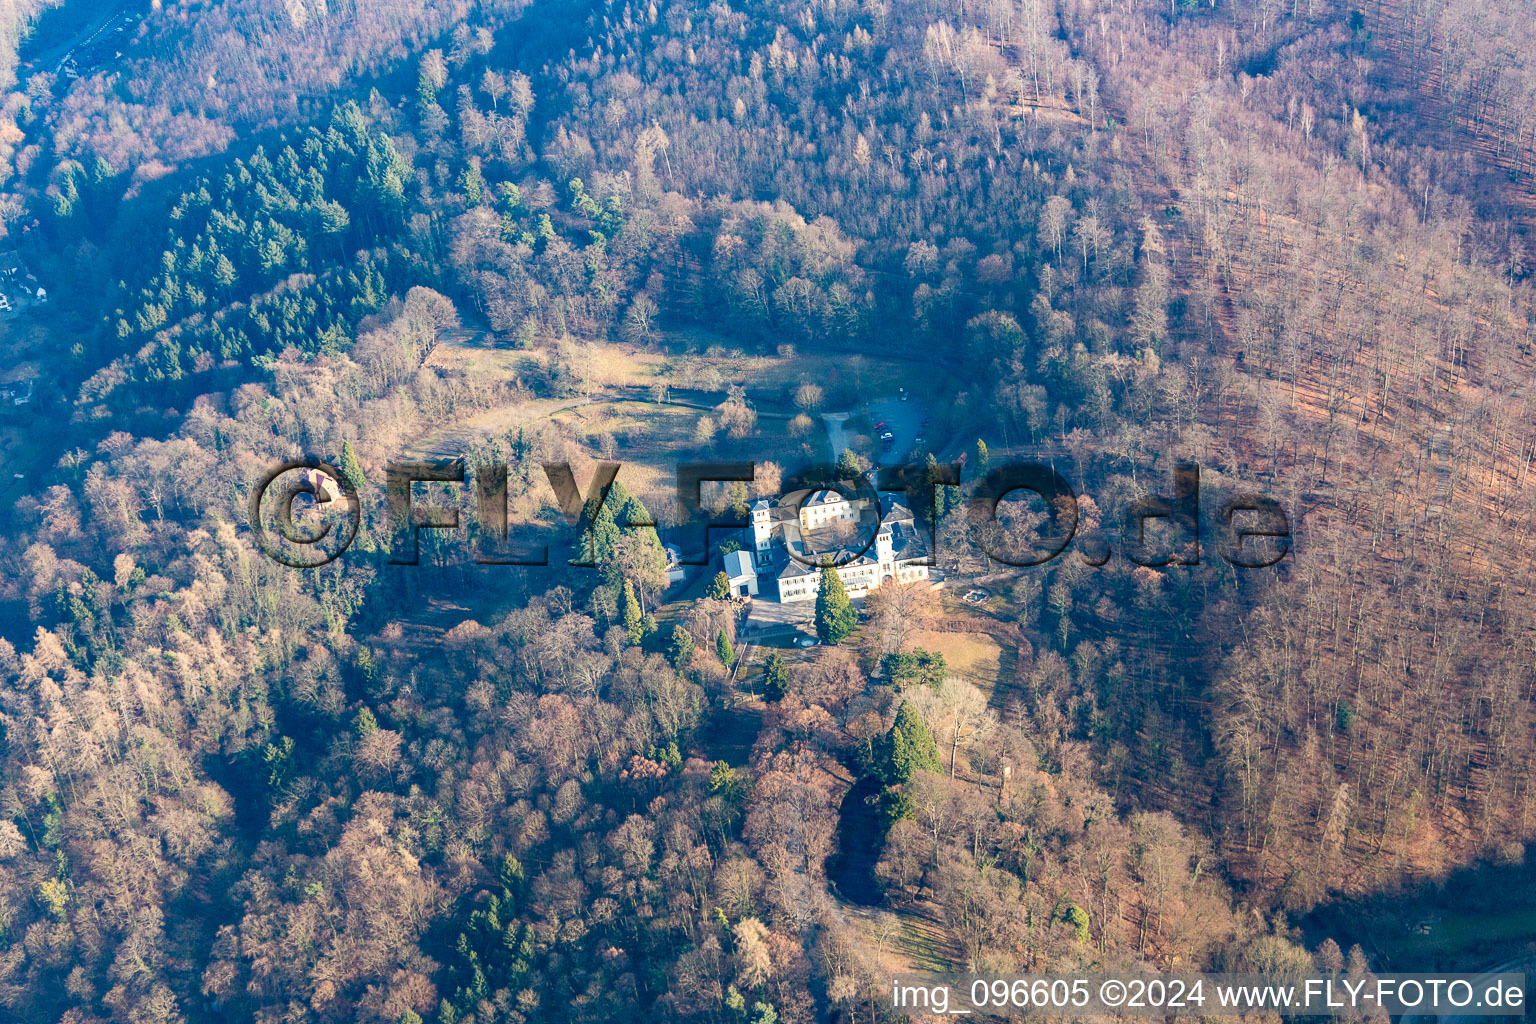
column 762, row 532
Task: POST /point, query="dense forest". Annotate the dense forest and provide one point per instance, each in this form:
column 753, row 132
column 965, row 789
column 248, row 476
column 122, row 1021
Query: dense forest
column 1288, row 242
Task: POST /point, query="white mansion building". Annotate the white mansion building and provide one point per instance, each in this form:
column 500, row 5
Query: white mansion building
column 821, row 531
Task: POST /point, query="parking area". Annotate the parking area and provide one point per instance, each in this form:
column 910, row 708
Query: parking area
column 783, row 625
column 896, row 426
column 83, row 41
column 903, row 421
column 767, row 617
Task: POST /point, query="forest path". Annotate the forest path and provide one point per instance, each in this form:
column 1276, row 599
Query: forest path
column 1485, row 977
column 908, row 939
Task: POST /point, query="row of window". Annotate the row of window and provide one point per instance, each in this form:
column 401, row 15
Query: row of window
column 863, row 580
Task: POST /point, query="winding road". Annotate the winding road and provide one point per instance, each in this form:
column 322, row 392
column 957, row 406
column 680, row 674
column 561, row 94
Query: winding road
column 1484, row 978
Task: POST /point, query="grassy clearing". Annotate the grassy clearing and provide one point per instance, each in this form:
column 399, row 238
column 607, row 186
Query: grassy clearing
column 699, row 361
column 976, row 656
column 652, row 439
column 605, row 364
column 695, row 350
column 694, row 360
column 1454, row 933
column 923, row 942
column 1475, row 916
column 999, row 604
column 618, row 416
column 904, row 941
column 646, row 438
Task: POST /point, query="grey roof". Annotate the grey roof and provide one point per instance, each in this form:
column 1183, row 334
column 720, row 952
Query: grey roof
column 906, row 542
column 895, row 511
column 897, row 525
column 738, row 564
column 796, row 569
column 825, row 497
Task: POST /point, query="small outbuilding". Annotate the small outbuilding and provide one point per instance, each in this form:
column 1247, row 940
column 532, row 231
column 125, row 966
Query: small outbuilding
column 740, row 574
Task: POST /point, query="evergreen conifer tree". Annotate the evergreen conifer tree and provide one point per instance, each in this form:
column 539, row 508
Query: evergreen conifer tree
column 719, row 587
column 680, row 651
column 629, row 613
column 907, row 748
column 775, row 678
column 351, row 469
column 835, row 615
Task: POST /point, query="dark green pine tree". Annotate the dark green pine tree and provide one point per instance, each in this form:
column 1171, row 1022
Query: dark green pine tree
column 630, row 615
column 601, row 536
column 637, row 552
column 67, row 200
column 738, row 500
column 680, row 650
column 351, row 469
column 848, row 465
column 724, row 649
column 939, row 493
column 907, row 748
column 224, row 272
column 775, row 678
column 895, row 806
column 495, row 950
column 925, row 667
column 983, row 458
column 896, row 758
column 632, row 511
column 514, row 881
column 725, row 782
column 719, row 588
column 472, row 183
column 835, row 615
column 931, row 668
